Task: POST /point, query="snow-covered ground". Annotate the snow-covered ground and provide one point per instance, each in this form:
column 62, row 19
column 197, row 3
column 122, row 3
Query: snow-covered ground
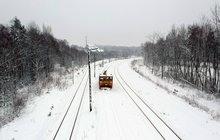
column 191, row 122
column 114, row 115
column 42, row 113
column 194, row 97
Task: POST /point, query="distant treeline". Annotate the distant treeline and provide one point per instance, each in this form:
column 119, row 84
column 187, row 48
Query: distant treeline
column 190, row 54
column 28, row 54
column 120, row 51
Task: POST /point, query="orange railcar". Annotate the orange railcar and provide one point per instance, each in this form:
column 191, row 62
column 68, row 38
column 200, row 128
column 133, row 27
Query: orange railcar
column 105, row 80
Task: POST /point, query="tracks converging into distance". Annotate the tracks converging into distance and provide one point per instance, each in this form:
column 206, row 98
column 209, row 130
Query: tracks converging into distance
column 158, row 124
column 161, row 127
column 80, row 91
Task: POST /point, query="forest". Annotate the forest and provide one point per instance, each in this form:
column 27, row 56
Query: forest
column 190, row 54
column 27, row 55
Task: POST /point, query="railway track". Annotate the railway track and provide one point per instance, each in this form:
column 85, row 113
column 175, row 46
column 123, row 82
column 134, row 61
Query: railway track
column 161, row 127
column 76, row 103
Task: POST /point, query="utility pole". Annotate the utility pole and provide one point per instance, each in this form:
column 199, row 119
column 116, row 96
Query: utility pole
column 73, row 70
column 90, row 90
column 102, row 59
column 94, row 63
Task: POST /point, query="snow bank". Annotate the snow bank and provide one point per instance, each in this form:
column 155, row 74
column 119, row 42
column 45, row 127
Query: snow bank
column 41, row 112
column 194, row 97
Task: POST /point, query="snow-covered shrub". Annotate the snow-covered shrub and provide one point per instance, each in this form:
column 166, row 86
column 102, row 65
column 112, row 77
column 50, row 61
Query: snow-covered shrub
column 18, row 104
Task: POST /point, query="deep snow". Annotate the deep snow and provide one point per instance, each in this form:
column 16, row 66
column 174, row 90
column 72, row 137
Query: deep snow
column 114, row 115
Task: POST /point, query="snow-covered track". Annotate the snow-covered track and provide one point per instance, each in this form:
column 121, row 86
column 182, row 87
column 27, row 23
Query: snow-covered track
column 81, row 100
column 162, row 128
column 78, row 92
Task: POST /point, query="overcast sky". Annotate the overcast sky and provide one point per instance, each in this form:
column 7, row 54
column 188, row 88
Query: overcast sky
column 106, row 22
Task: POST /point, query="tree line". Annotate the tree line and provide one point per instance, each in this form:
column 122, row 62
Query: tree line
column 120, row 51
column 28, row 54
column 188, row 53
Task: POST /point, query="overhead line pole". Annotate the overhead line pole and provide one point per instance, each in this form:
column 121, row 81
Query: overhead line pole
column 94, row 64
column 90, row 89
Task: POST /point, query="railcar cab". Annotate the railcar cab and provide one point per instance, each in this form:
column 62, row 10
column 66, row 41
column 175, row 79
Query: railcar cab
column 105, row 80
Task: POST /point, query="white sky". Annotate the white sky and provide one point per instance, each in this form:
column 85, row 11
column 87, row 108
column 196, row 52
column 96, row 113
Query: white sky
column 106, row 22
